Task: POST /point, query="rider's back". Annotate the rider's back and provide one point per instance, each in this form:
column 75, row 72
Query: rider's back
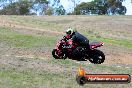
column 79, row 38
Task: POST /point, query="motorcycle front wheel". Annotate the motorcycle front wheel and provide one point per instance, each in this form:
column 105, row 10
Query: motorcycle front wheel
column 55, row 55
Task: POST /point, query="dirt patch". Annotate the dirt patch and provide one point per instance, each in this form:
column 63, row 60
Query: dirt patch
column 27, row 29
column 21, row 63
column 119, row 59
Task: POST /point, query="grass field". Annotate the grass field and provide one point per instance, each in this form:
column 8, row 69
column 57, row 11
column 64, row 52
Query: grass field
column 26, row 43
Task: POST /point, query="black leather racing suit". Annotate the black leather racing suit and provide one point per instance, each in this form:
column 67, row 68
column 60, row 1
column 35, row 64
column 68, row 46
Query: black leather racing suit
column 83, row 42
column 80, row 39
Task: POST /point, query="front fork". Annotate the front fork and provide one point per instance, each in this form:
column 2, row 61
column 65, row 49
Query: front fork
column 61, row 54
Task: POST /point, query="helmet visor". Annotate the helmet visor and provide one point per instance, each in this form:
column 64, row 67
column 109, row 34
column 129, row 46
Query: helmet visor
column 68, row 32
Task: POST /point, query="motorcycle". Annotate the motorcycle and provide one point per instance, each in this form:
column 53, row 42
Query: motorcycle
column 67, row 49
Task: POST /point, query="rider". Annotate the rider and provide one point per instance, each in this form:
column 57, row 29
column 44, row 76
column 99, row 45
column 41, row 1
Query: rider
column 79, row 39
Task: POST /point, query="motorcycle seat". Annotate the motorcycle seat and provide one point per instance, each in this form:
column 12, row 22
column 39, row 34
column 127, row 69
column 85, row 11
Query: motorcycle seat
column 95, row 44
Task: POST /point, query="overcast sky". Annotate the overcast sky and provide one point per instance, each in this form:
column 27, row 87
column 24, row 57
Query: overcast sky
column 128, row 5
column 68, row 6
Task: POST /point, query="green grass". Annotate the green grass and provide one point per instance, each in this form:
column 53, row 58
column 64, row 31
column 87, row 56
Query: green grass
column 124, row 43
column 32, row 79
column 112, row 69
column 33, row 21
column 119, row 42
column 12, row 77
column 25, row 40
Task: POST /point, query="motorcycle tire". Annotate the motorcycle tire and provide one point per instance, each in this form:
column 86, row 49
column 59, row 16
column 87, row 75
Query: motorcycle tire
column 54, row 54
column 64, row 56
column 97, row 57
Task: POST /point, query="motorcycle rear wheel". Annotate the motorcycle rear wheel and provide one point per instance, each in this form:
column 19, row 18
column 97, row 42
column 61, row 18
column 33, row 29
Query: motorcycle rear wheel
column 97, row 57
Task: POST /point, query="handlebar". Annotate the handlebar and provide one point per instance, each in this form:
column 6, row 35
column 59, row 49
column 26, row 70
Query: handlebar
column 64, row 39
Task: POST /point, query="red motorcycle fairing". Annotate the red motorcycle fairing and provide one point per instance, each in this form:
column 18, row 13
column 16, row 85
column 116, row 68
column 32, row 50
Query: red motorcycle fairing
column 58, row 47
column 63, row 44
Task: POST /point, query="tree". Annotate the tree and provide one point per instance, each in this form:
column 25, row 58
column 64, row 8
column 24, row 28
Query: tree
column 22, row 7
column 93, row 7
column 60, row 10
column 115, row 7
column 16, row 8
column 49, row 7
column 49, row 11
column 39, row 6
column 101, row 7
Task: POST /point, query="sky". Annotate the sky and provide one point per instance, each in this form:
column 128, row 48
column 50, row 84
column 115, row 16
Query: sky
column 128, row 5
column 69, row 7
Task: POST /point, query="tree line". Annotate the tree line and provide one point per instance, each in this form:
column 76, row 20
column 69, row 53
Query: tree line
column 54, row 7
column 101, row 7
column 31, row 7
